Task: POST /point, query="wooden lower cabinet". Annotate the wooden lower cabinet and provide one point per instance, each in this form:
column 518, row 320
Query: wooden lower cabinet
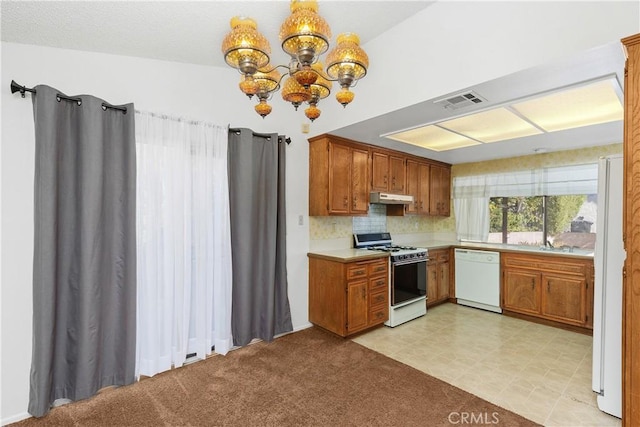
column 521, row 291
column 438, row 280
column 558, row 289
column 348, row 297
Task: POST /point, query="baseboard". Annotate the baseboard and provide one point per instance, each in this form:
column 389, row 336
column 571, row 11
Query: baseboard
column 15, row 418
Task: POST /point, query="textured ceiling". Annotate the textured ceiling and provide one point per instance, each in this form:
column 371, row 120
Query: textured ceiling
column 184, row 31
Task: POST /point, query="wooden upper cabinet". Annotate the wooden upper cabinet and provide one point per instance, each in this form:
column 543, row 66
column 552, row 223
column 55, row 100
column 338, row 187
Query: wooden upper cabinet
column 387, row 172
column 397, row 168
column 379, row 171
column 359, row 187
column 418, row 185
column 342, row 174
column 440, row 203
column 338, row 177
column 413, row 184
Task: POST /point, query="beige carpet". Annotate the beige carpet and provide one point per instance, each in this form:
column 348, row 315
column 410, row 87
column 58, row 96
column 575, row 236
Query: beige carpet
column 308, row 378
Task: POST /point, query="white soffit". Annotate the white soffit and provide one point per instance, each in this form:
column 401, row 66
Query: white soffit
column 433, row 138
column 491, row 126
column 592, row 104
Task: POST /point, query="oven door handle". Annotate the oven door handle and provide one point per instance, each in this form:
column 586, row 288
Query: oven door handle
column 409, row 261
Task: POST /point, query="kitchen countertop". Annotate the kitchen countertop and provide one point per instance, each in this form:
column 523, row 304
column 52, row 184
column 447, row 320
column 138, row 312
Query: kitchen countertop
column 576, row 253
column 350, row 255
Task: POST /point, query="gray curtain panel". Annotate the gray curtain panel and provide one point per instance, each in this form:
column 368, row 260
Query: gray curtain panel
column 84, row 275
column 260, row 303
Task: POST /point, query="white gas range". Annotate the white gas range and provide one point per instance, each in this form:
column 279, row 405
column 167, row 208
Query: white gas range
column 408, row 279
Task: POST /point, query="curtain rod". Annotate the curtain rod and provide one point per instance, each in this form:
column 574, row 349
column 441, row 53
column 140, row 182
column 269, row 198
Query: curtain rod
column 261, row 135
column 15, row 87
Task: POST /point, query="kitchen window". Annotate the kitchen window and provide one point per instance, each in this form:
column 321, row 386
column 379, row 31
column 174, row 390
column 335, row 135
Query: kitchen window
column 561, row 221
column 548, row 206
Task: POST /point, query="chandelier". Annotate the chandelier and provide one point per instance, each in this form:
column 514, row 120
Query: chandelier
column 305, row 37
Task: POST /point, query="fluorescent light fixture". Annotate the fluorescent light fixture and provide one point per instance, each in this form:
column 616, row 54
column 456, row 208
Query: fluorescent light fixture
column 583, row 106
column 492, row 125
column 433, row 138
column 576, row 106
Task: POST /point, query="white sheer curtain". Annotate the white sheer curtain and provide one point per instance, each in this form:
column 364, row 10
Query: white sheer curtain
column 471, row 207
column 184, row 243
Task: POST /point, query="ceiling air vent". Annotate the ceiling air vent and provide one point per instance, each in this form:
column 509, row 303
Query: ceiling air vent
column 461, row 100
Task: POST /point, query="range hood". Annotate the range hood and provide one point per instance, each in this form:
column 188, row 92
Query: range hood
column 390, row 199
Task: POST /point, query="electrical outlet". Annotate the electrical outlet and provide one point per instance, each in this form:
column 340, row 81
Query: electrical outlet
column 300, row 220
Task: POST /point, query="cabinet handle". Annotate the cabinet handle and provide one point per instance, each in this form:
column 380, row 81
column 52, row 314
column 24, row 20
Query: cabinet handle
column 379, row 314
column 355, row 201
column 358, row 272
column 364, row 293
column 533, row 283
column 345, row 202
column 548, row 285
column 385, row 179
column 381, row 268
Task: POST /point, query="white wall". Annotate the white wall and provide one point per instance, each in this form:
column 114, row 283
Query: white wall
column 198, row 92
column 462, row 43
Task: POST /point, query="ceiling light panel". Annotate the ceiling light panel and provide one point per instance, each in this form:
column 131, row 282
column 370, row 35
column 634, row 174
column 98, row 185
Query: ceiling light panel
column 491, row 126
column 587, row 105
column 433, row 138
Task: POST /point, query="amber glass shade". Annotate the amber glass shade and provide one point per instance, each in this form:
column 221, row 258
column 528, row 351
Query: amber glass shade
column 322, row 87
column 244, row 47
column 263, row 108
column 305, row 34
column 347, row 58
column 305, row 76
column 345, row 96
column 249, row 86
column 294, row 92
column 267, row 82
column 312, row 112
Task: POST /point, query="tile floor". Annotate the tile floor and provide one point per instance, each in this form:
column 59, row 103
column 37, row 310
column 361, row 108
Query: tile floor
column 540, row 372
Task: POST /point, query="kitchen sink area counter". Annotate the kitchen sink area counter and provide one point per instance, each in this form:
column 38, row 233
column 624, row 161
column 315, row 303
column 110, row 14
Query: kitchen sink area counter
column 500, row 247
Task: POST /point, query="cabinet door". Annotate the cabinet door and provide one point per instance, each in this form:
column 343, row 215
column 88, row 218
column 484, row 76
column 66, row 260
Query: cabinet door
column 357, row 306
column 397, row 172
column 443, row 284
column 439, row 204
column 379, row 171
column 413, row 182
column 339, row 178
column 359, row 181
column 445, row 192
column 521, row 291
column 563, row 298
column 424, row 189
column 432, row 282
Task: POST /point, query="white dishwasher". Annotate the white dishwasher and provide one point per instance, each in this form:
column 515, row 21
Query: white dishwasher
column 478, row 279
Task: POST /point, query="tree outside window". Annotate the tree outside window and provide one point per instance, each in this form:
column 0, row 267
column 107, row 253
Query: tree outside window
column 553, row 221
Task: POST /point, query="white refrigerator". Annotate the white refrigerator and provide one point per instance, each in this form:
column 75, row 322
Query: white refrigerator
column 609, row 258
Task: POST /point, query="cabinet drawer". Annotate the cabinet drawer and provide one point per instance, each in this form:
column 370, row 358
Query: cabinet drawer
column 443, row 257
column 378, row 284
column 378, row 299
column 379, row 314
column 378, row 268
column 545, row 264
column 356, row 271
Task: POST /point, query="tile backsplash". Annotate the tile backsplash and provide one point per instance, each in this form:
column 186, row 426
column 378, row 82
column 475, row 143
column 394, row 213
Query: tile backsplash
column 374, row 222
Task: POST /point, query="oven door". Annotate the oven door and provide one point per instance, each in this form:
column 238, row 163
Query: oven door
column 408, row 281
